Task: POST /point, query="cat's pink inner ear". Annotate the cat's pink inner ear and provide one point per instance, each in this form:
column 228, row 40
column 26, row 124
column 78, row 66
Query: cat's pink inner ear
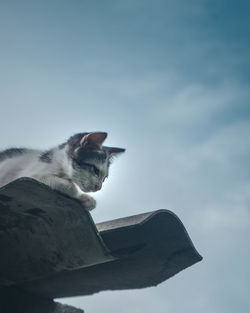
column 113, row 151
column 94, row 139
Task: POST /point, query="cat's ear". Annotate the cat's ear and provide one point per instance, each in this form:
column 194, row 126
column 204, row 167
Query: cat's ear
column 93, row 139
column 114, row 151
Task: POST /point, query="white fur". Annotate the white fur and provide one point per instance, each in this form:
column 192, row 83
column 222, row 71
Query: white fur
column 29, row 165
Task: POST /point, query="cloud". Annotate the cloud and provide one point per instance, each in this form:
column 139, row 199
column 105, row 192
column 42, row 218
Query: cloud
column 168, row 81
column 205, row 181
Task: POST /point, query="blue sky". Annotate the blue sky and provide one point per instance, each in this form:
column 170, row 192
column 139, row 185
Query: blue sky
column 169, row 81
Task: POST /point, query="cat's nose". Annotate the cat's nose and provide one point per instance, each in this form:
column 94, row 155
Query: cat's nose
column 98, row 187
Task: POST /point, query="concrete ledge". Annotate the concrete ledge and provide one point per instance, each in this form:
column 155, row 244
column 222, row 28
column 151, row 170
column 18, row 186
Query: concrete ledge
column 13, row 300
column 51, row 248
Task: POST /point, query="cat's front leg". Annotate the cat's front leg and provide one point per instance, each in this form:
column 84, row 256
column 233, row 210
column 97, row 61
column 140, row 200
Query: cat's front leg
column 67, row 187
column 59, row 184
column 88, row 202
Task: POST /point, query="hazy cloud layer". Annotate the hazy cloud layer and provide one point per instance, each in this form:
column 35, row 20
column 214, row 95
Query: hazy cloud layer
column 168, row 80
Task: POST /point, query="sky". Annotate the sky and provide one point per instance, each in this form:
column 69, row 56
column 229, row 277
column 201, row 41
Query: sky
column 169, row 81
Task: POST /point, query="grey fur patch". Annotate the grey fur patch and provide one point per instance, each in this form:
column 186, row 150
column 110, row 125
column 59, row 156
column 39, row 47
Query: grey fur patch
column 61, row 174
column 84, row 154
column 11, row 153
column 73, row 143
column 47, row 156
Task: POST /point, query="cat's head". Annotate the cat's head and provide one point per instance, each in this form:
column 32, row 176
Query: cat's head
column 90, row 160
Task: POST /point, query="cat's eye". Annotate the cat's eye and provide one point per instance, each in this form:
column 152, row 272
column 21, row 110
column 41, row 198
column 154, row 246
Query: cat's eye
column 96, row 170
column 93, row 168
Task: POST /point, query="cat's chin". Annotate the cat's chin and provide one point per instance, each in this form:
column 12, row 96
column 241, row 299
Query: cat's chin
column 81, row 187
column 84, row 189
column 89, row 190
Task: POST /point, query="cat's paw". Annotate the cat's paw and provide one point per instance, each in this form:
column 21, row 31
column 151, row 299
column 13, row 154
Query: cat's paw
column 88, row 202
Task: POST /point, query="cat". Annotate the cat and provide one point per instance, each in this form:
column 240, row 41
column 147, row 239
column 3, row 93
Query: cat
column 75, row 167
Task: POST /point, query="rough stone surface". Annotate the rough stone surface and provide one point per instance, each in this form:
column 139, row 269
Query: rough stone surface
column 43, row 232
column 150, row 248
column 51, row 248
column 13, row 300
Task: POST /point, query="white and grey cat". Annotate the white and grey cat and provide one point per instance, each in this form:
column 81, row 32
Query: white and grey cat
column 77, row 166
